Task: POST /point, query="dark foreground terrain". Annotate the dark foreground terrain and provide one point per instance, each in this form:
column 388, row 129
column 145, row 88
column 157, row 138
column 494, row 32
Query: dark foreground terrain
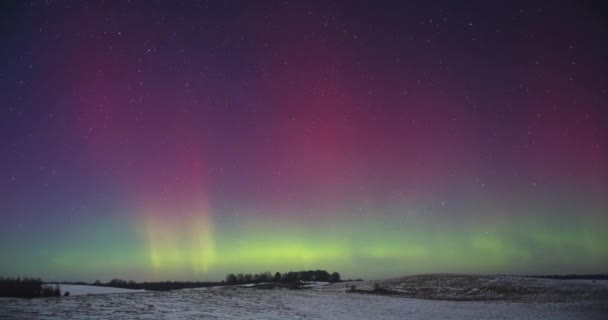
column 495, row 298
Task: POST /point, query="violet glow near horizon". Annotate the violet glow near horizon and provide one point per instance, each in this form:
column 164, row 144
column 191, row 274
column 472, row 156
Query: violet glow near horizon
column 182, row 141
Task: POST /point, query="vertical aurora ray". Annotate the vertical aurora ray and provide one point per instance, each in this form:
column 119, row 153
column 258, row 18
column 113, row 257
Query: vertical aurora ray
column 184, row 241
column 175, row 209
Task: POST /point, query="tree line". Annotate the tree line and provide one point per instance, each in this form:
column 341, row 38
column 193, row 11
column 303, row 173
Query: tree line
column 154, row 286
column 287, row 277
column 602, row 276
column 26, row 288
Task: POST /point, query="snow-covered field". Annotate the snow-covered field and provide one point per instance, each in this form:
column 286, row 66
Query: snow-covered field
column 79, row 290
column 319, row 302
column 488, row 288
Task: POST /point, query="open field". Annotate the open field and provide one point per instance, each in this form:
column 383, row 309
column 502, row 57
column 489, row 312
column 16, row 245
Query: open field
column 486, row 288
column 332, row 301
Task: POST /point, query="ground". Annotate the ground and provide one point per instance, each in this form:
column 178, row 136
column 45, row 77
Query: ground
column 326, row 302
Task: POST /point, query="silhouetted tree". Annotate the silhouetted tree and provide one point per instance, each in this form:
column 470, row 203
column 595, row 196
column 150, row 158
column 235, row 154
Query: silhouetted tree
column 306, row 275
column 321, row 275
column 335, row 277
column 231, row 278
column 277, row 277
column 290, row 277
column 265, row 276
column 117, row 282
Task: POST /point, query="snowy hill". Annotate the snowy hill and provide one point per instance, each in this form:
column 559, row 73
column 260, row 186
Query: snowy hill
column 485, row 287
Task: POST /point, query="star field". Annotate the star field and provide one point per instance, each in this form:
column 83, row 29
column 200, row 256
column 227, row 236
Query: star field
column 180, row 140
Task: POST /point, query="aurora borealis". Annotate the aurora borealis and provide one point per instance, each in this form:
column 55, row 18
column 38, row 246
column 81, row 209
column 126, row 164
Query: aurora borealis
column 183, row 140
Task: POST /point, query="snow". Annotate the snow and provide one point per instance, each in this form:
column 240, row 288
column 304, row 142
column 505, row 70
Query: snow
column 315, row 284
column 247, row 285
column 311, row 284
column 486, row 288
column 325, row 301
column 78, row 290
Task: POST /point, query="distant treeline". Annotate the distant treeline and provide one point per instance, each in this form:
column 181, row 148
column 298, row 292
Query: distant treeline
column 30, row 288
column 287, row 277
column 26, row 288
column 572, row 276
column 154, row 286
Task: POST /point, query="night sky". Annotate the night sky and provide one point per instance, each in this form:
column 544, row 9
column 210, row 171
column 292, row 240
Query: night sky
column 173, row 140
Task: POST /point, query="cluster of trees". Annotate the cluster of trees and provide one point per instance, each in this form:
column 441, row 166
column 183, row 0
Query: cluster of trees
column 287, row 277
column 26, row 288
column 154, row 286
